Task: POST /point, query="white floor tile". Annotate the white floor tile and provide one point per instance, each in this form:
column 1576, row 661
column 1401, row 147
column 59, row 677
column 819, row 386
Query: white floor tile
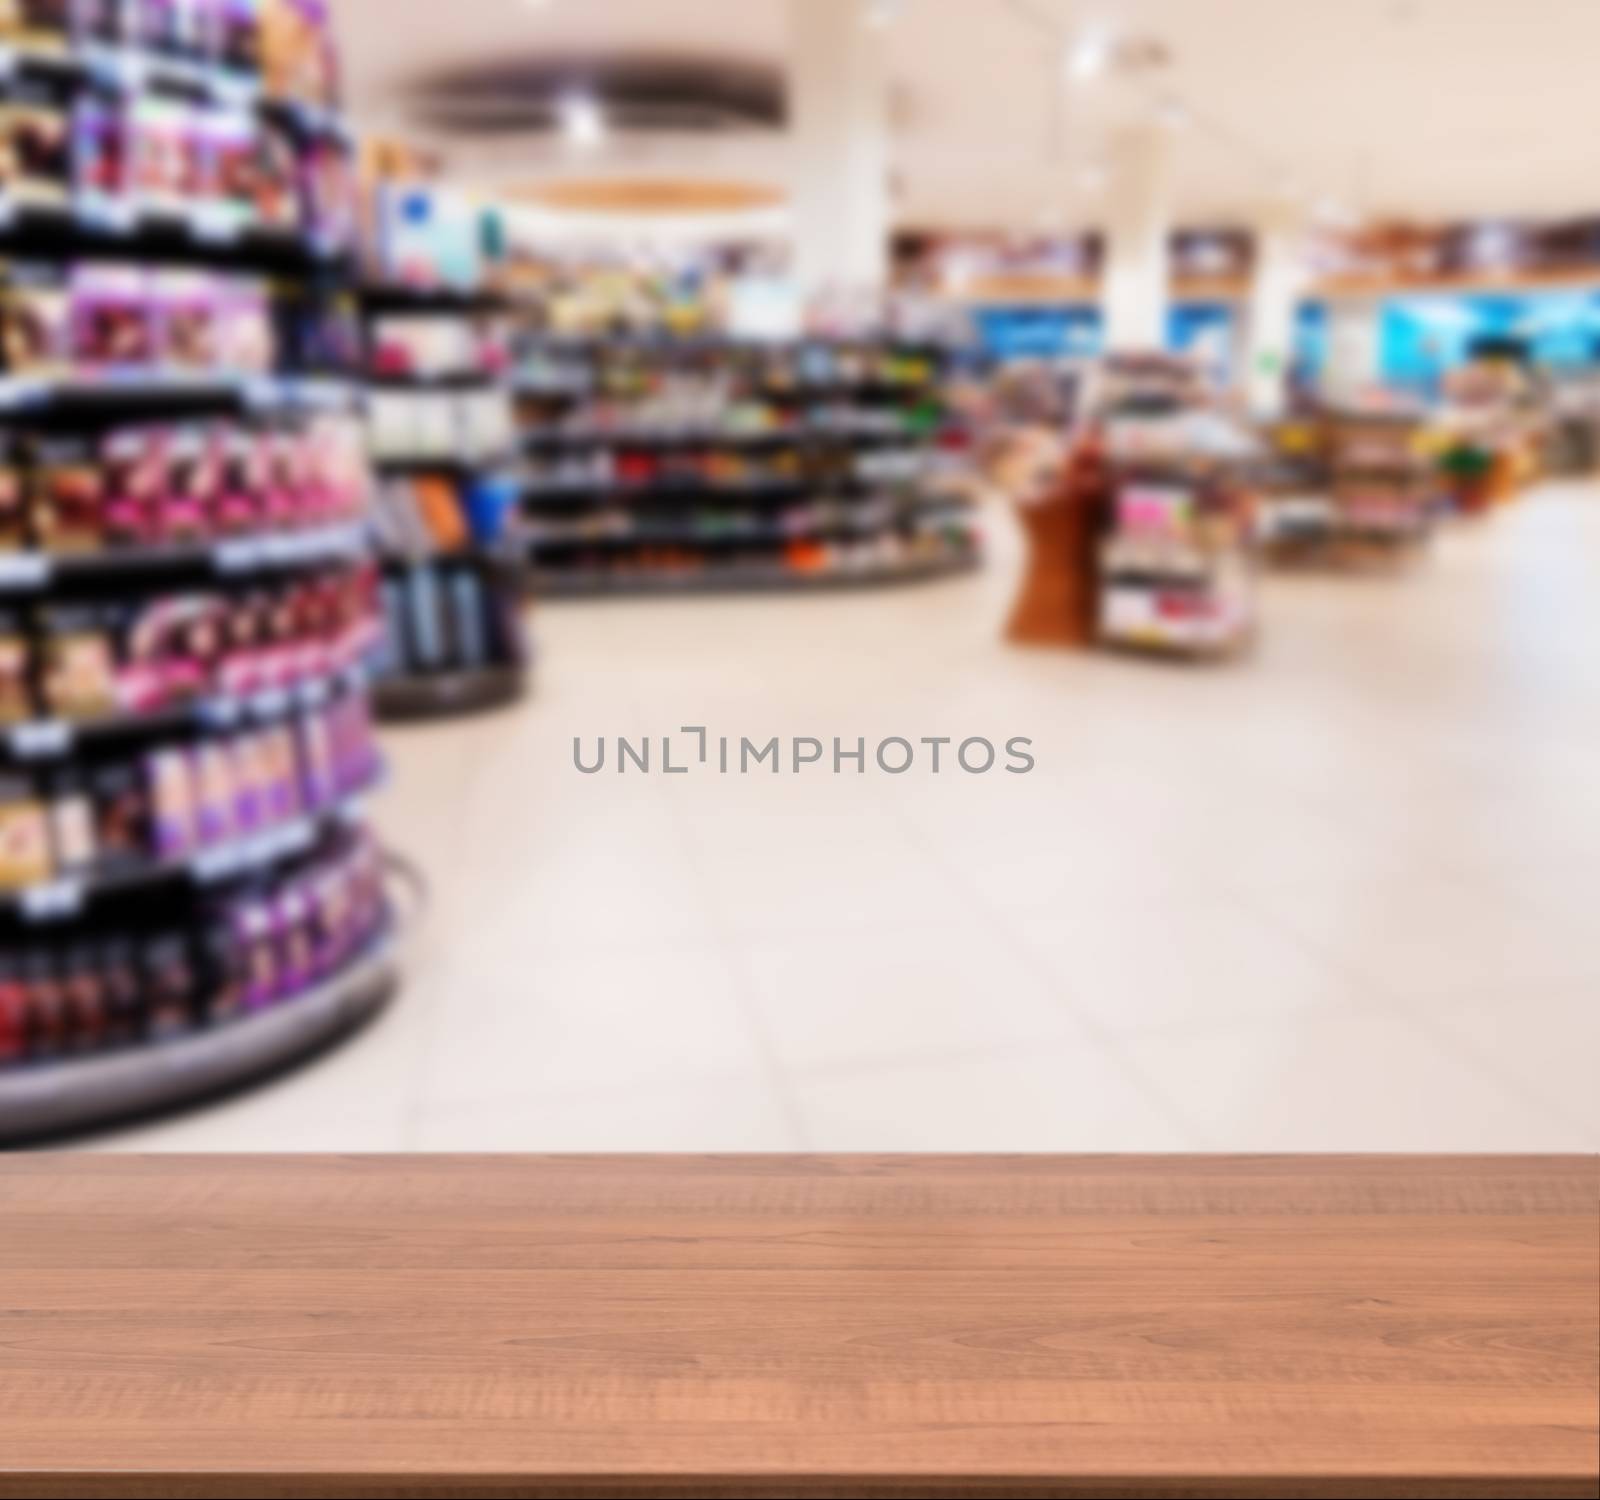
column 738, row 1113
column 1065, row 1096
column 899, row 994
column 1321, row 1083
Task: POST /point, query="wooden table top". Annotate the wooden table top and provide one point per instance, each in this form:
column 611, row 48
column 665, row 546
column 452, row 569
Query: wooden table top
column 476, row 1326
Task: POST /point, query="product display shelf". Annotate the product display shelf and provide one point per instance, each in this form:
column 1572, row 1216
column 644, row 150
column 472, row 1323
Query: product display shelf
column 189, row 895
column 653, row 463
column 38, row 1104
column 454, row 582
column 752, row 577
column 1380, row 499
column 1177, row 566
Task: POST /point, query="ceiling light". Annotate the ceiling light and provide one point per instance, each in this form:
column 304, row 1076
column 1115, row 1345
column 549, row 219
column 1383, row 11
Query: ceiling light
column 582, row 120
column 1088, row 57
column 537, row 4
column 880, row 13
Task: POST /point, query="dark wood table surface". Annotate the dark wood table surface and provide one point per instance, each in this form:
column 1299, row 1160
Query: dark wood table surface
column 476, row 1326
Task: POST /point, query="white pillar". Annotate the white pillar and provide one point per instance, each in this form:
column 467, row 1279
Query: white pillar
column 1136, row 282
column 1354, row 361
column 1277, row 283
column 839, row 148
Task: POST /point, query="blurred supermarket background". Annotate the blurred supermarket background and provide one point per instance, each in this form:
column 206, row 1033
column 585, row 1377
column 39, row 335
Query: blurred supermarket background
column 405, row 403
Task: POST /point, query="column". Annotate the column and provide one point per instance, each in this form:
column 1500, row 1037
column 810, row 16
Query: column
column 1353, row 363
column 839, row 148
column 1136, row 281
column 1277, row 284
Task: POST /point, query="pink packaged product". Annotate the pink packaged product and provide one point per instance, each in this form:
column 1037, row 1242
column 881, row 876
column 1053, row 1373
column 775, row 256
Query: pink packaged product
column 186, row 512
column 113, row 327
column 164, row 153
column 135, row 467
column 190, row 313
column 245, row 342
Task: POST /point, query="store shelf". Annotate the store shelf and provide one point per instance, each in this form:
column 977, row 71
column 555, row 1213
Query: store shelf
column 399, row 301
column 552, row 583
column 73, row 897
column 42, row 1100
column 125, row 231
column 44, row 740
column 809, row 435
column 131, row 395
column 25, row 574
column 448, row 695
column 130, row 71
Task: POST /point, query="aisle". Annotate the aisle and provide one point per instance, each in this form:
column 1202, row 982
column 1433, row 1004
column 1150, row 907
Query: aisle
column 1339, row 897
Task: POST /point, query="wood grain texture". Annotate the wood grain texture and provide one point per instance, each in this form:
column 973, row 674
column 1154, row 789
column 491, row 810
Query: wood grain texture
column 442, row 1326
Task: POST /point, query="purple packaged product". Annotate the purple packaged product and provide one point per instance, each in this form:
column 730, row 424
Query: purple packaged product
column 258, row 956
column 249, row 783
column 100, row 146
column 99, row 21
column 236, row 34
column 112, row 325
column 282, row 789
column 297, row 957
column 317, row 773
column 172, row 808
column 172, row 28
column 214, row 794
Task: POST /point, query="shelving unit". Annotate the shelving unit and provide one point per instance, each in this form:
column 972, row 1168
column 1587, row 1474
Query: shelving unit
column 658, row 464
column 189, row 896
column 1177, row 565
column 1177, row 572
column 443, row 444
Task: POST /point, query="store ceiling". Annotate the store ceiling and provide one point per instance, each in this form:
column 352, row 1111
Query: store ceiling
column 1416, row 109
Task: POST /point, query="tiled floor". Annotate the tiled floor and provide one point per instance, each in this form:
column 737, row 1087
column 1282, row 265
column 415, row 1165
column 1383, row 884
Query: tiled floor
column 1345, row 895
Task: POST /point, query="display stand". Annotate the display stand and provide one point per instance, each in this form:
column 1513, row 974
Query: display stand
column 672, row 464
column 454, row 579
column 189, row 897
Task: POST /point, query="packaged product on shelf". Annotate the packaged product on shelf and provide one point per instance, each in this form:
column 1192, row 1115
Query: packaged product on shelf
column 35, row 25
column 114, row 327
column 328, row 192
column 71, row 823
column 267, row 176
column 37, row 314
column 191, row 321
column 235, row 34
column 172, row 804
column 35, row 147
column 298, row 59
column 24, row 835
column 102, row 156
column 68, row 498
column 16, row 696
column 168, row 28
column 99, row 22
column 122, row 815
column 78, row 676
column 171, row 990
column 13, row 501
